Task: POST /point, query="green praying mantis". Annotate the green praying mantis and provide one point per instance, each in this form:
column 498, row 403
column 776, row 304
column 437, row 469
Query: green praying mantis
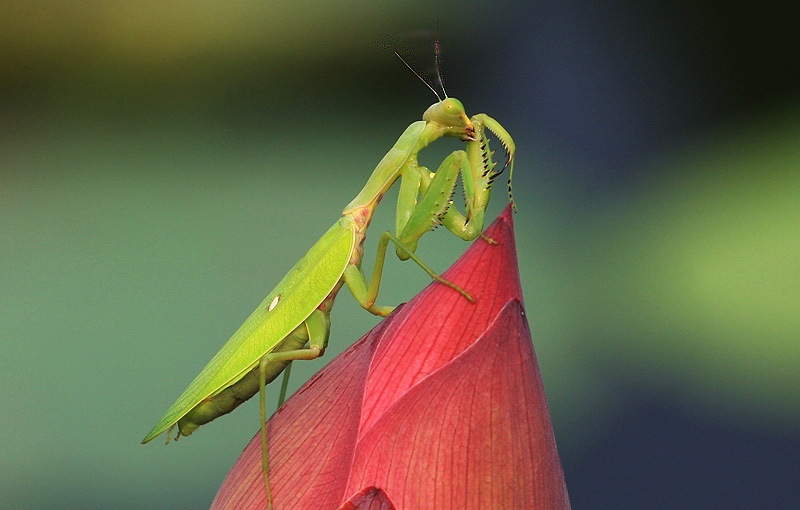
column 293, row 321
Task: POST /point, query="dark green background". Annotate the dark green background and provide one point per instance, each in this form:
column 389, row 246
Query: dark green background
column 161, row 167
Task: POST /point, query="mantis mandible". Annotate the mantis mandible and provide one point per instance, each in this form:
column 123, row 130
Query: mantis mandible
column 293, row 321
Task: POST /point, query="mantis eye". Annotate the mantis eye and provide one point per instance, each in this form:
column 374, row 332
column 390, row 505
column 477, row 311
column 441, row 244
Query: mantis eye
column 452, row 106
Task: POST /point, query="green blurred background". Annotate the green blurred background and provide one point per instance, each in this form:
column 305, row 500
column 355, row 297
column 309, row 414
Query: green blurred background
column 162, row 166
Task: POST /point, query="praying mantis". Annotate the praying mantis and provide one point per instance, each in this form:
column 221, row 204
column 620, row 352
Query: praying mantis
column 293, row 321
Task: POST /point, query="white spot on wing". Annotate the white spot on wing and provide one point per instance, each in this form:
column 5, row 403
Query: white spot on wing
column 274, row 303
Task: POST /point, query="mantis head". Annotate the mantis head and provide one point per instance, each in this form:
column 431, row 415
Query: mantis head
column 450, row 115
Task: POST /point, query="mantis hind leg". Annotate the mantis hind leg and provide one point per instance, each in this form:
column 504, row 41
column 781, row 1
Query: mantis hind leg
column 264, row 446
column 315, row 330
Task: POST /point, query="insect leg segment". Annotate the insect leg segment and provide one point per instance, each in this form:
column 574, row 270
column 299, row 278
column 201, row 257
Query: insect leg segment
column 262, row 400
column 413, row 180
column 285, row 384
column 408, row 252
column 366, row 294
column 483, row 122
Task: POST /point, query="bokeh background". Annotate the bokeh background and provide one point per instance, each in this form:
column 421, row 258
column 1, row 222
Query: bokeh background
column 162, row 164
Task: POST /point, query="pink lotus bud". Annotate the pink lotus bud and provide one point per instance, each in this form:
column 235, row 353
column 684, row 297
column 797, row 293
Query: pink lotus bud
column 440, row 406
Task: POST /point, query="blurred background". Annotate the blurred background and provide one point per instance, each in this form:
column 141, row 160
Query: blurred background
column 162, row 165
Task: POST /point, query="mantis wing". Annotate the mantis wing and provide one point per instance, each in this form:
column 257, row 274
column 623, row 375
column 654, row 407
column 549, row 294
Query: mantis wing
column 298, row 294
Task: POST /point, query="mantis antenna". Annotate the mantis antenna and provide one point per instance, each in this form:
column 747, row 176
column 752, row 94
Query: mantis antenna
column 420, row 77
column 438, row 52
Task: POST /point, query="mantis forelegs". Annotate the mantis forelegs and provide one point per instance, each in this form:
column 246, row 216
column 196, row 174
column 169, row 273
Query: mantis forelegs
column 435, row 206
column 415, row 218
column 477, row 170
